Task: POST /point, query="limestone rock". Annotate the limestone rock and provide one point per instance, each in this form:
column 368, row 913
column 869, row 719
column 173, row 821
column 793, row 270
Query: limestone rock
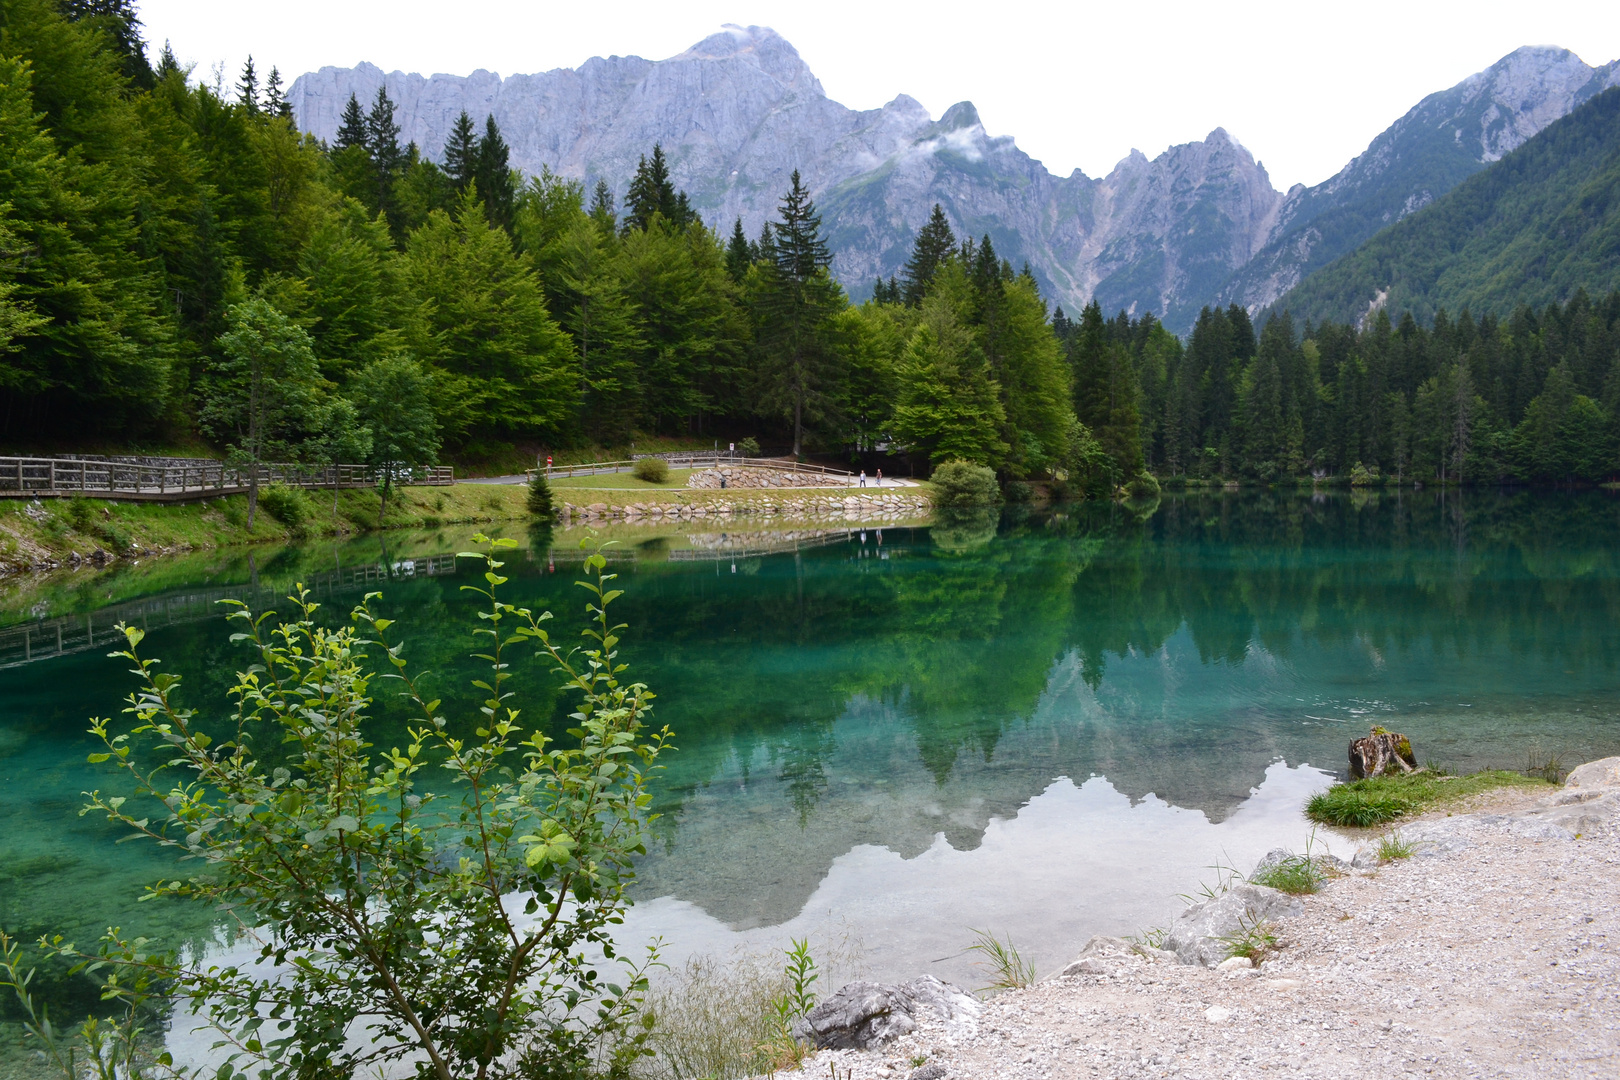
column 1195, row 935
column 866, row 1014
column 1602, row 773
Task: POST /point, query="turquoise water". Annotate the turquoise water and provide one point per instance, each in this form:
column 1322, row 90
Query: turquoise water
column 1047, row 723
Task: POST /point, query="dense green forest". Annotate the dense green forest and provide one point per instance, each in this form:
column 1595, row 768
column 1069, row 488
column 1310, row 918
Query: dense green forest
column 1529, row 229
column 178, row 261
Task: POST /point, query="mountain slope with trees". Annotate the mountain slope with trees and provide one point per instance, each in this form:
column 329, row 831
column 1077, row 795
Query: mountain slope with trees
column 1534, row 227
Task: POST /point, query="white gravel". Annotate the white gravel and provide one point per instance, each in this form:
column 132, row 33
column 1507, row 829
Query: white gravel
column 1500, row 959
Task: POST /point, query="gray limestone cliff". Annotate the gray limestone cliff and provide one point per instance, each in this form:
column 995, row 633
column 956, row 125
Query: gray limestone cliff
column 739, row 111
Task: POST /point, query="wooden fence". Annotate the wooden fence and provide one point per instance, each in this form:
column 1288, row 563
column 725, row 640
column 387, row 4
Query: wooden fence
column 178, row 481
column 692, row 461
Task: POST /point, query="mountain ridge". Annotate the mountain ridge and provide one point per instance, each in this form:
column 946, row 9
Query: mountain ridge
column 738, row 111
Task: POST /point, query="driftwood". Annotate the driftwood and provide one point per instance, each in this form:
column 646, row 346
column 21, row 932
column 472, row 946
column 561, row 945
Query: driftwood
column 1381, row 752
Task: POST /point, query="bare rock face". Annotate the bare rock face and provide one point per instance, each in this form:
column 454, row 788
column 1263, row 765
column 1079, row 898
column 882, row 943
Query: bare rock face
column 865, row 1014
column 739, row 111
column 1603, row 773
column 1195, row 936
column 1444, row 139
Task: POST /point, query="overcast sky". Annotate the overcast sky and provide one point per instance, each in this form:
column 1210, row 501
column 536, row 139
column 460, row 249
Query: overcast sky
column 1305, row 86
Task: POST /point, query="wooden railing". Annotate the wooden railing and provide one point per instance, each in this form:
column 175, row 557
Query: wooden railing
column 175, row 481
column 692, row 461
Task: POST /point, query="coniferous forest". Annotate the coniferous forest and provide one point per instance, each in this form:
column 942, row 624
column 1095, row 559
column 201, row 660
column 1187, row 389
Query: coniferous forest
column 178, row 261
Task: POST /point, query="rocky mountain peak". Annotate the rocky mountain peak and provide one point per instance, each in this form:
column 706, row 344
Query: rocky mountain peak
column 760, row 47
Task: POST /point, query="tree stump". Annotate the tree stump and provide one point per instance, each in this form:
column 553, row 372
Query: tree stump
column 1380, row 753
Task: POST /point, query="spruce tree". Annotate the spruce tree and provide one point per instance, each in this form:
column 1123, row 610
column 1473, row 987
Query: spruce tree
column 651, row 192
column 542, row 506
column 461, row 153
column 797, row 300
column 494, row 176
column 934, row 244
column 738, row 253
column 247, row 88
column 602, row 208
column 352, row 132
column 275, row 102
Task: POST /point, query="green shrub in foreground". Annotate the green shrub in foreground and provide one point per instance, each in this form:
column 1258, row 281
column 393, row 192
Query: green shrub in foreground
column 653, row 470
column 380, row 902
column 962, row 483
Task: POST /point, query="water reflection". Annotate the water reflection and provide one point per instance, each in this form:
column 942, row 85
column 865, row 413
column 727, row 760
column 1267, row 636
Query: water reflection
column 838, row 692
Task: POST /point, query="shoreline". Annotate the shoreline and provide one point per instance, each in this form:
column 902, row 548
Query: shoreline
column 1493, row 950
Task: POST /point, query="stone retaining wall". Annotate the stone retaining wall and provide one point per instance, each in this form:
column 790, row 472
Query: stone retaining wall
column 744, row 476
column 863, row 508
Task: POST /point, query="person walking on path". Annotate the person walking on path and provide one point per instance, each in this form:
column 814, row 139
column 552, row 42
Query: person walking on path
column 880, row 477
column 863, row 478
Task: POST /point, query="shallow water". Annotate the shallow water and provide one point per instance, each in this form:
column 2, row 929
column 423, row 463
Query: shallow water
column 1045, row 725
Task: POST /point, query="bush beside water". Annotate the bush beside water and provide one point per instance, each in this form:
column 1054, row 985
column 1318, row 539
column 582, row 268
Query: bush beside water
column 962, row 483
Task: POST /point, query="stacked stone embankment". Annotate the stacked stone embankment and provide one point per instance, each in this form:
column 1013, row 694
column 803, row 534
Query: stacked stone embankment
column 747, row 476
column 878, row 507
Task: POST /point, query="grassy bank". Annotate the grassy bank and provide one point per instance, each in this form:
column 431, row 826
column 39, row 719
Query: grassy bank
column 1381, row 799
column 54, row 531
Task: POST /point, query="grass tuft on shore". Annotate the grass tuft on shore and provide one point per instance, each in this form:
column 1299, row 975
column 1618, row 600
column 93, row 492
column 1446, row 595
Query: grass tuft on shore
column 1379, row 800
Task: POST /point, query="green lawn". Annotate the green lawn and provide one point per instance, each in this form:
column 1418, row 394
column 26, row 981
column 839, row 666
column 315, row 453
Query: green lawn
column 1382, row 799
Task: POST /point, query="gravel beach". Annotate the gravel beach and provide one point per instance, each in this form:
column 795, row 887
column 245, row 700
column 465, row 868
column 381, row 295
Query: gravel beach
column 1492, row 952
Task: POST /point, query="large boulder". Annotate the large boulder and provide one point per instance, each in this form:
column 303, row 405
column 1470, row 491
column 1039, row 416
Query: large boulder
column 1603, row 773
column 1109, row 955
column 867, row 1014
column 1195, row 936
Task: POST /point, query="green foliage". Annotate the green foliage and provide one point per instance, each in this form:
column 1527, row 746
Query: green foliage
column 1254, row 939
column 1016, row 491
column 962, row 483
column 1297, row 875
column 1393, row 847
column 654, row 470
column 1000, row 959
column 748, row 447
column 1531, row 228
column 541, row 505
column 288, row 505
column 1143, row 486
column 1378, row 800
column 377, row 900
column 949, row 403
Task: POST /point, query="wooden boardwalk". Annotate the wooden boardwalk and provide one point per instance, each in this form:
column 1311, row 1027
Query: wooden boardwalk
column 177, row 480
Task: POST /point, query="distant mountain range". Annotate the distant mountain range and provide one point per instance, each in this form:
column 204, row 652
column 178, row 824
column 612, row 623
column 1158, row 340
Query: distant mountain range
column 1532, row 228
column 1199, row 224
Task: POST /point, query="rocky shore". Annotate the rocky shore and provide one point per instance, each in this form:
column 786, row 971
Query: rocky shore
column 1491, row 948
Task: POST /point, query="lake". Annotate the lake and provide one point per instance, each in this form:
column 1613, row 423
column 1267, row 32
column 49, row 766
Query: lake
column 1044, row 723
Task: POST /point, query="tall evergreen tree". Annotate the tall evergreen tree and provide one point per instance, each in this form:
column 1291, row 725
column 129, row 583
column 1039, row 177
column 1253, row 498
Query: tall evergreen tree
column 494, row 176
column 387, row 157
column 797, row 299
column 739, row 253
column 933, row 245
column 461, row 152
column 352, row 131
column 602, row 209
column 275, row 102
column 247, row 88
column 652, row 192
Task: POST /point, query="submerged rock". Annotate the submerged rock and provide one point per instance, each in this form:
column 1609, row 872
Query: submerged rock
column 866, row 1014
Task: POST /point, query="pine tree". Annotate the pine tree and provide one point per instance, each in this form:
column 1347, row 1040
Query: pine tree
column 352, row 132
column 602, row 208
column 275, row 102
column 542, row 506
column 461, row 152
column 651, row 192
column 739, row 256
column 934, row 244
column 387, row 158
column 247, row 88
column 797, row 299
column 494, row 176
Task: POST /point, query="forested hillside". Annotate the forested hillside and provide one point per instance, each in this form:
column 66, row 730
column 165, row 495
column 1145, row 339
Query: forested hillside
column 177, row 261
column 1532, row 228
